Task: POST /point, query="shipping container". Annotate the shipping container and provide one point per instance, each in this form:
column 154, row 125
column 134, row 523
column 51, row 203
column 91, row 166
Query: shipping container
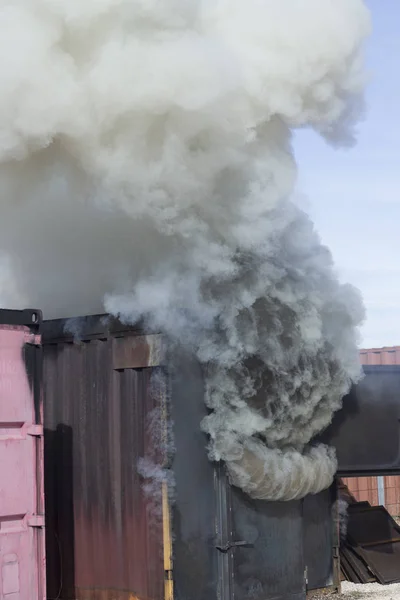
column 22, row 538
column 381, row 490
column 365, row 432
column 134, row 507
column 135, row 510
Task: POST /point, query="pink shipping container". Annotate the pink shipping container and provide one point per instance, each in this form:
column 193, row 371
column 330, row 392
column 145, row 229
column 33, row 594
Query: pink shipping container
column 374, row 489
column 22, row 539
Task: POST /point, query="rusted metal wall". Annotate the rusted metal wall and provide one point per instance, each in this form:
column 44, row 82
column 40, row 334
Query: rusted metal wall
column 104, row 539
column 104, row 536
column 366, row 488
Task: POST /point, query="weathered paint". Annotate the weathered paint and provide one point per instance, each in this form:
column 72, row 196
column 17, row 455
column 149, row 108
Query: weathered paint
column 98, row 399
column 96, row 429
column 22, row 556
column 138, row 352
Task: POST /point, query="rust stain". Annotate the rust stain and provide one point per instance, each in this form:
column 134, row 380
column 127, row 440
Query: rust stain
column 95, row 434
column 32, row 338
column 138, row 352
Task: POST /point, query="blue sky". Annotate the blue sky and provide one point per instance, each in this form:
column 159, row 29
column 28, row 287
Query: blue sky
column 354, row 195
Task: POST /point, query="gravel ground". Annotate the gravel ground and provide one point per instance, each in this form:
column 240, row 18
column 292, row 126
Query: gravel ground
column 369, row 591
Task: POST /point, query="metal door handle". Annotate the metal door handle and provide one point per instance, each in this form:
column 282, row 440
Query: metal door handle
column 224, row 549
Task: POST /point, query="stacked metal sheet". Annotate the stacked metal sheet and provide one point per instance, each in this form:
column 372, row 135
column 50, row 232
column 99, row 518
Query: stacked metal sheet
column 371, row 551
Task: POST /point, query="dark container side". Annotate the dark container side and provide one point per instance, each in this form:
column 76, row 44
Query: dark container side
column 321, row 540
column 195, row 519
column 103, row 541
column 370, row 411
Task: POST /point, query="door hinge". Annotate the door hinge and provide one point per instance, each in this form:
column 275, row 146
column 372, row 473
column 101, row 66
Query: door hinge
column 35, row 521
column 168, row 575
column 224, row 549
column 33, row 339
column 35, row 430
column 306, row 576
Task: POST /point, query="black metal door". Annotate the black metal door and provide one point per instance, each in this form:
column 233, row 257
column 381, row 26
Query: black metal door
column 268, row 558
column 321, row 539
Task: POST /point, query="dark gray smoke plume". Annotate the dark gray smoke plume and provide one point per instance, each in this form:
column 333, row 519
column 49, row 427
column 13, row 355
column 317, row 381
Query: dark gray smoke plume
column 146, row 168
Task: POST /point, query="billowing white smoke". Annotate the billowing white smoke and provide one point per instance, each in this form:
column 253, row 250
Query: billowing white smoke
column 145, row 159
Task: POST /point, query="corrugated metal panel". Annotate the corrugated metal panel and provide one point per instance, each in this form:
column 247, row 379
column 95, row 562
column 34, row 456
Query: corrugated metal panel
column 22, row 555
column 103, row 540
column 98, row 399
